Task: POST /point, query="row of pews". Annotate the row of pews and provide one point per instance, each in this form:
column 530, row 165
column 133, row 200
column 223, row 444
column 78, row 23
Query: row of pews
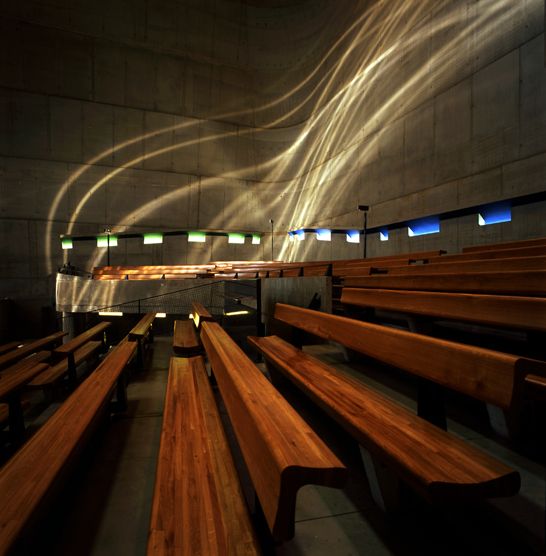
column 37, row 469
column 196, row 480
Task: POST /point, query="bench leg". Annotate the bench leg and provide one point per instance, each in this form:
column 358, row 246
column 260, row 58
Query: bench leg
column 121, row 393
column 504, row 424
column 384, row 485
column 72, row 376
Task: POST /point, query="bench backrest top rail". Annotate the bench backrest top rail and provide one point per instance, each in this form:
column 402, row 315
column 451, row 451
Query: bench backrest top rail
column 526, row 282
column 506, row 245
column 487, row 375
column 536, row 251
column 141, row 328
column 4, row 348
column 196, row 486
column 437, row 464
column 15, row 355
column 15, row 377
column 199, row 313
column 483, row 265
column 28, row 476
column 83, row 338
column 527, row 313
column 281, row 451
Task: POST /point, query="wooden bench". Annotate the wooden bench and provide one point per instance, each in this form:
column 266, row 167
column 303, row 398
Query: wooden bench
column 4, row 348
column 12, row 383
column 142, row 333
column 69, row 348
column 530, row 283
column 13, row 356
column 498, row 379
column 439, row 466
column 533, row 251
column 281, row 452
column 483, row 265
column 198, row 505
column 185, row 339
column 199, row 314
column 515, row 312
column 507, row 245
column 30, row 476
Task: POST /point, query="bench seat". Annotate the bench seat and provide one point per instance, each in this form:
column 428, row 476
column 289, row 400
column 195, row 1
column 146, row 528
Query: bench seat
column 441, row 467
column 50, row 376
column 282, row 453
column 198, row 505
column 185, row 340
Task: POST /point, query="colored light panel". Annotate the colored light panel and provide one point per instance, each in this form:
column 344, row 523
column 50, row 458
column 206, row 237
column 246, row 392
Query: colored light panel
column 161, row 315
column 236, row 238
column 66, row 243
column 353, row 236
column 197, row 237
column 323, row 234
column 150, row 239
column 291, row 236
column 384, row 235
column 300, row 235
column 102, row 241
column 495, row 214
column 424, row 226
column 256, row 239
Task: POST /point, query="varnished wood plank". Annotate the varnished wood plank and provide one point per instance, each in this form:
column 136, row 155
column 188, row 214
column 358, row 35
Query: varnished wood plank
column 486, row 375
column 8, row 347
column 527, row 313
column 199, row 314
column 198, row 506
column 507, row 245
column 438, row 465
column 526, row 283
column 484, row 265
column 534, row 251
column 15, row 355
column 28, row 476
column 77, row 342
column 281, row 452
column 142, row 328
column 185, row 340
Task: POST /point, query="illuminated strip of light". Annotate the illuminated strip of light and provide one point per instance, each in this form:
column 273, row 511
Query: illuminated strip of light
column 234, row 313
column 424, row 226
column 256, row 239
column 66, row 243
column 160, row 315
column 150, row 239
column 236, row 238
column 324, row 234
column 196, row 319
column 197, row 237
column 384, row 235
column 102, row 241
column 110, row 313
column 495, row 214
column 353, row 236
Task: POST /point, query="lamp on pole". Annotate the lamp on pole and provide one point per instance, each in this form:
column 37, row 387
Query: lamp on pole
column 271, row 222
column 364, row 209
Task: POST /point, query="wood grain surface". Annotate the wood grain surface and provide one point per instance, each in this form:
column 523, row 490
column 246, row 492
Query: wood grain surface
column 185, row 340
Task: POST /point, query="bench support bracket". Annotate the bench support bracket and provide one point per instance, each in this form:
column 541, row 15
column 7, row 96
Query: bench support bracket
column 384, row 485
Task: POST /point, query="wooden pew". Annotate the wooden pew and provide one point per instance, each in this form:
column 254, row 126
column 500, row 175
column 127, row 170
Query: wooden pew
column 198, row 505
column 12, row 383
column 439, row 466
column 535, row 251
column 531, row 283
column 31, row 475
column 199, row 314
column 185, row 340
column 10, row 346
column 482, row 265
column 68, row 349
column 142, row 333
column 281, row 452
column 507, row 245
column 498, row 379
column 517, row 312
column 13, row 356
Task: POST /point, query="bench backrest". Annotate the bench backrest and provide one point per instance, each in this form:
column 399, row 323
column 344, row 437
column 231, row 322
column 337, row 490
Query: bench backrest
column 72, row 345
column 507, row 245
column 13, row 356
column 528, row 283
column 527, row 313
column 142, row 327
column 199, row 314
column 280, row 450
column 487, row 375
column 534, row 251
column 483, row 265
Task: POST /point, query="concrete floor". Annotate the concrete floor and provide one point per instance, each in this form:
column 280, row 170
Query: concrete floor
column 106, row 506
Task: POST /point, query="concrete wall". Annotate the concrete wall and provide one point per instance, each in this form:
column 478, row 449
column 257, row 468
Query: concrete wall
column 155, row 114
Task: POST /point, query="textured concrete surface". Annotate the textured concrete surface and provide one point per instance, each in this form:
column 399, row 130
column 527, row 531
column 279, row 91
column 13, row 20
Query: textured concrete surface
column 224, row 114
